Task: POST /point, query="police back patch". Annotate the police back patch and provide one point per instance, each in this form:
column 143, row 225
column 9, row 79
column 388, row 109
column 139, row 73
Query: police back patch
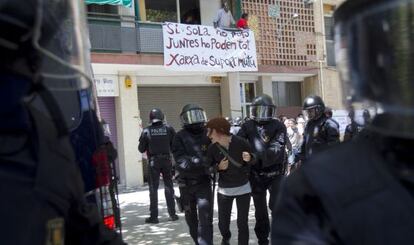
column 158, row 131
column 55, row 232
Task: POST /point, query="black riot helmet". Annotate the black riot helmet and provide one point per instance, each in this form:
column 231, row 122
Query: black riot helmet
column 313, row 107
column 46, row 41
column 375, row 57
column 262, row 108
column 193, row 114
column 237, row 121
column 366, row 115
column 44, row 46
column 156, row 116
column 228, row 119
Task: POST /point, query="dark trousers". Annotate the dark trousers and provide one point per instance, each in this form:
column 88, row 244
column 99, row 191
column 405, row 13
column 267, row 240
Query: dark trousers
column 225, row 204
column 260, row 186
column 156, row 166
column 198, row 198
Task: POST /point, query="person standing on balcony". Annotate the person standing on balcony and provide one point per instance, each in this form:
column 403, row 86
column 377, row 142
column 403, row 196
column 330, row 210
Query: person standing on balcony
column 224, row 18
column 242, row 23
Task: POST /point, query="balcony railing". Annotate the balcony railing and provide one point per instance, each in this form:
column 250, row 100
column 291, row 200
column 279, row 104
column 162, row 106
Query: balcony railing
column 123, row 34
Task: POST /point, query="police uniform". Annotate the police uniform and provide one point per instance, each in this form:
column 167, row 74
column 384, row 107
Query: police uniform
column 190, row 149
column 362, row 191
column 42, row 190
column 352, row 130
column 268, row 142
column 319, row 134
column 156, row 140
column 357, row 193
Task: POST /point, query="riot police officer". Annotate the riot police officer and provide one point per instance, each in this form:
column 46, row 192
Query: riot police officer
column 320, row 131
column 190, row 149
column 361, row 192
column 329, row 114
column 229, row 119
column 267, row 137
column 236, row 126
column 354, row 128
column 42, row 189
column 156, row 140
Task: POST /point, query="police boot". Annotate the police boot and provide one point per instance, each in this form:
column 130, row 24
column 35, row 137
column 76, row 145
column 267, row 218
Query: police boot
column 151, row 220
column 173, row 217
column 225, row 241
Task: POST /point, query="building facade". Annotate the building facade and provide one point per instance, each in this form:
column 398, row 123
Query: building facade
column 294, row 49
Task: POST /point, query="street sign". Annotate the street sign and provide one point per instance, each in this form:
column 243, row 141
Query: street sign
column 274, row 10
column 107, row 85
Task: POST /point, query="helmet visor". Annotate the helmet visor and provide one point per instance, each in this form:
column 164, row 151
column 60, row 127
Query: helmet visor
column 262, row 113
column 193, row 117
column 65, row 51
column 311, row 114
column 375, row 54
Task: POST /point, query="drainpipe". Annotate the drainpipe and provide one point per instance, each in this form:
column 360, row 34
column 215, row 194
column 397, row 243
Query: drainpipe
column 178, row 11
column 323, row 60
column 321, row 79
column 323, row 31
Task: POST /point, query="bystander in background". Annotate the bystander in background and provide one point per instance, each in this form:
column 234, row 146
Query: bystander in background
column 242, row 23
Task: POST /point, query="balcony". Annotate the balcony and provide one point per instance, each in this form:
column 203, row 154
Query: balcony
column 123, row 34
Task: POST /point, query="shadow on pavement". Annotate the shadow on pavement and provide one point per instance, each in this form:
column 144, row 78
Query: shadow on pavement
column 135, row 208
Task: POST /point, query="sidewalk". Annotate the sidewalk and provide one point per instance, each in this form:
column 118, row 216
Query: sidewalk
column 135, row 208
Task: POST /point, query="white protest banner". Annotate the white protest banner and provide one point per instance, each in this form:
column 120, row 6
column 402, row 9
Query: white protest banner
column 205, row 48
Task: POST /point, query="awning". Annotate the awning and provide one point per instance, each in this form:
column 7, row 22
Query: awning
column 126, row 3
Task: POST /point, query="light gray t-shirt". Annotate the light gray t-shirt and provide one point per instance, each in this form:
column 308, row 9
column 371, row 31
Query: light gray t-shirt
column 236, row 191
column 224, row 19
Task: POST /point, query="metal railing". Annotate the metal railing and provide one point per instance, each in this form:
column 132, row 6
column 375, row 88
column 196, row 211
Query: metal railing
column 124, row 34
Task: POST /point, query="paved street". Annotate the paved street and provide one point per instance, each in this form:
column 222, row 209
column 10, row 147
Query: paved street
column 135, row 208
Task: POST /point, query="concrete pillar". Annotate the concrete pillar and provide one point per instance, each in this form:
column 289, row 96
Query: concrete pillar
column 127, row 120
column 264, row 86
column 128, row 15
column 319, row 30
column 142, row 10
column 311, row 86
column 230, row 95
column 332, row 88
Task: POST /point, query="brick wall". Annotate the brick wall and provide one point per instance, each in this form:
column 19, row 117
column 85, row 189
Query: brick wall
column 282, row 40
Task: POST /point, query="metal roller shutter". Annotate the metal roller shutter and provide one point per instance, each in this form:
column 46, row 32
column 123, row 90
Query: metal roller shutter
column 171, row 100
column 107, row 110
column 108, row 113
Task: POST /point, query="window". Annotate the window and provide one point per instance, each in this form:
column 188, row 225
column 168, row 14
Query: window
column 161, row 10
column 102, row 9
column 190, row 12
column 247, row 94
column 287, row 94
column 329, row 28
column 329, row 39
column 166, row 11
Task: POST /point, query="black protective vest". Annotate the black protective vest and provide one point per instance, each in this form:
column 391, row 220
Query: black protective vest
column 47, row 204
column 194, row 146
column 365, row 202
column 268, row 142
column 35, row 202
column 319, row 135
column 159, row 139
